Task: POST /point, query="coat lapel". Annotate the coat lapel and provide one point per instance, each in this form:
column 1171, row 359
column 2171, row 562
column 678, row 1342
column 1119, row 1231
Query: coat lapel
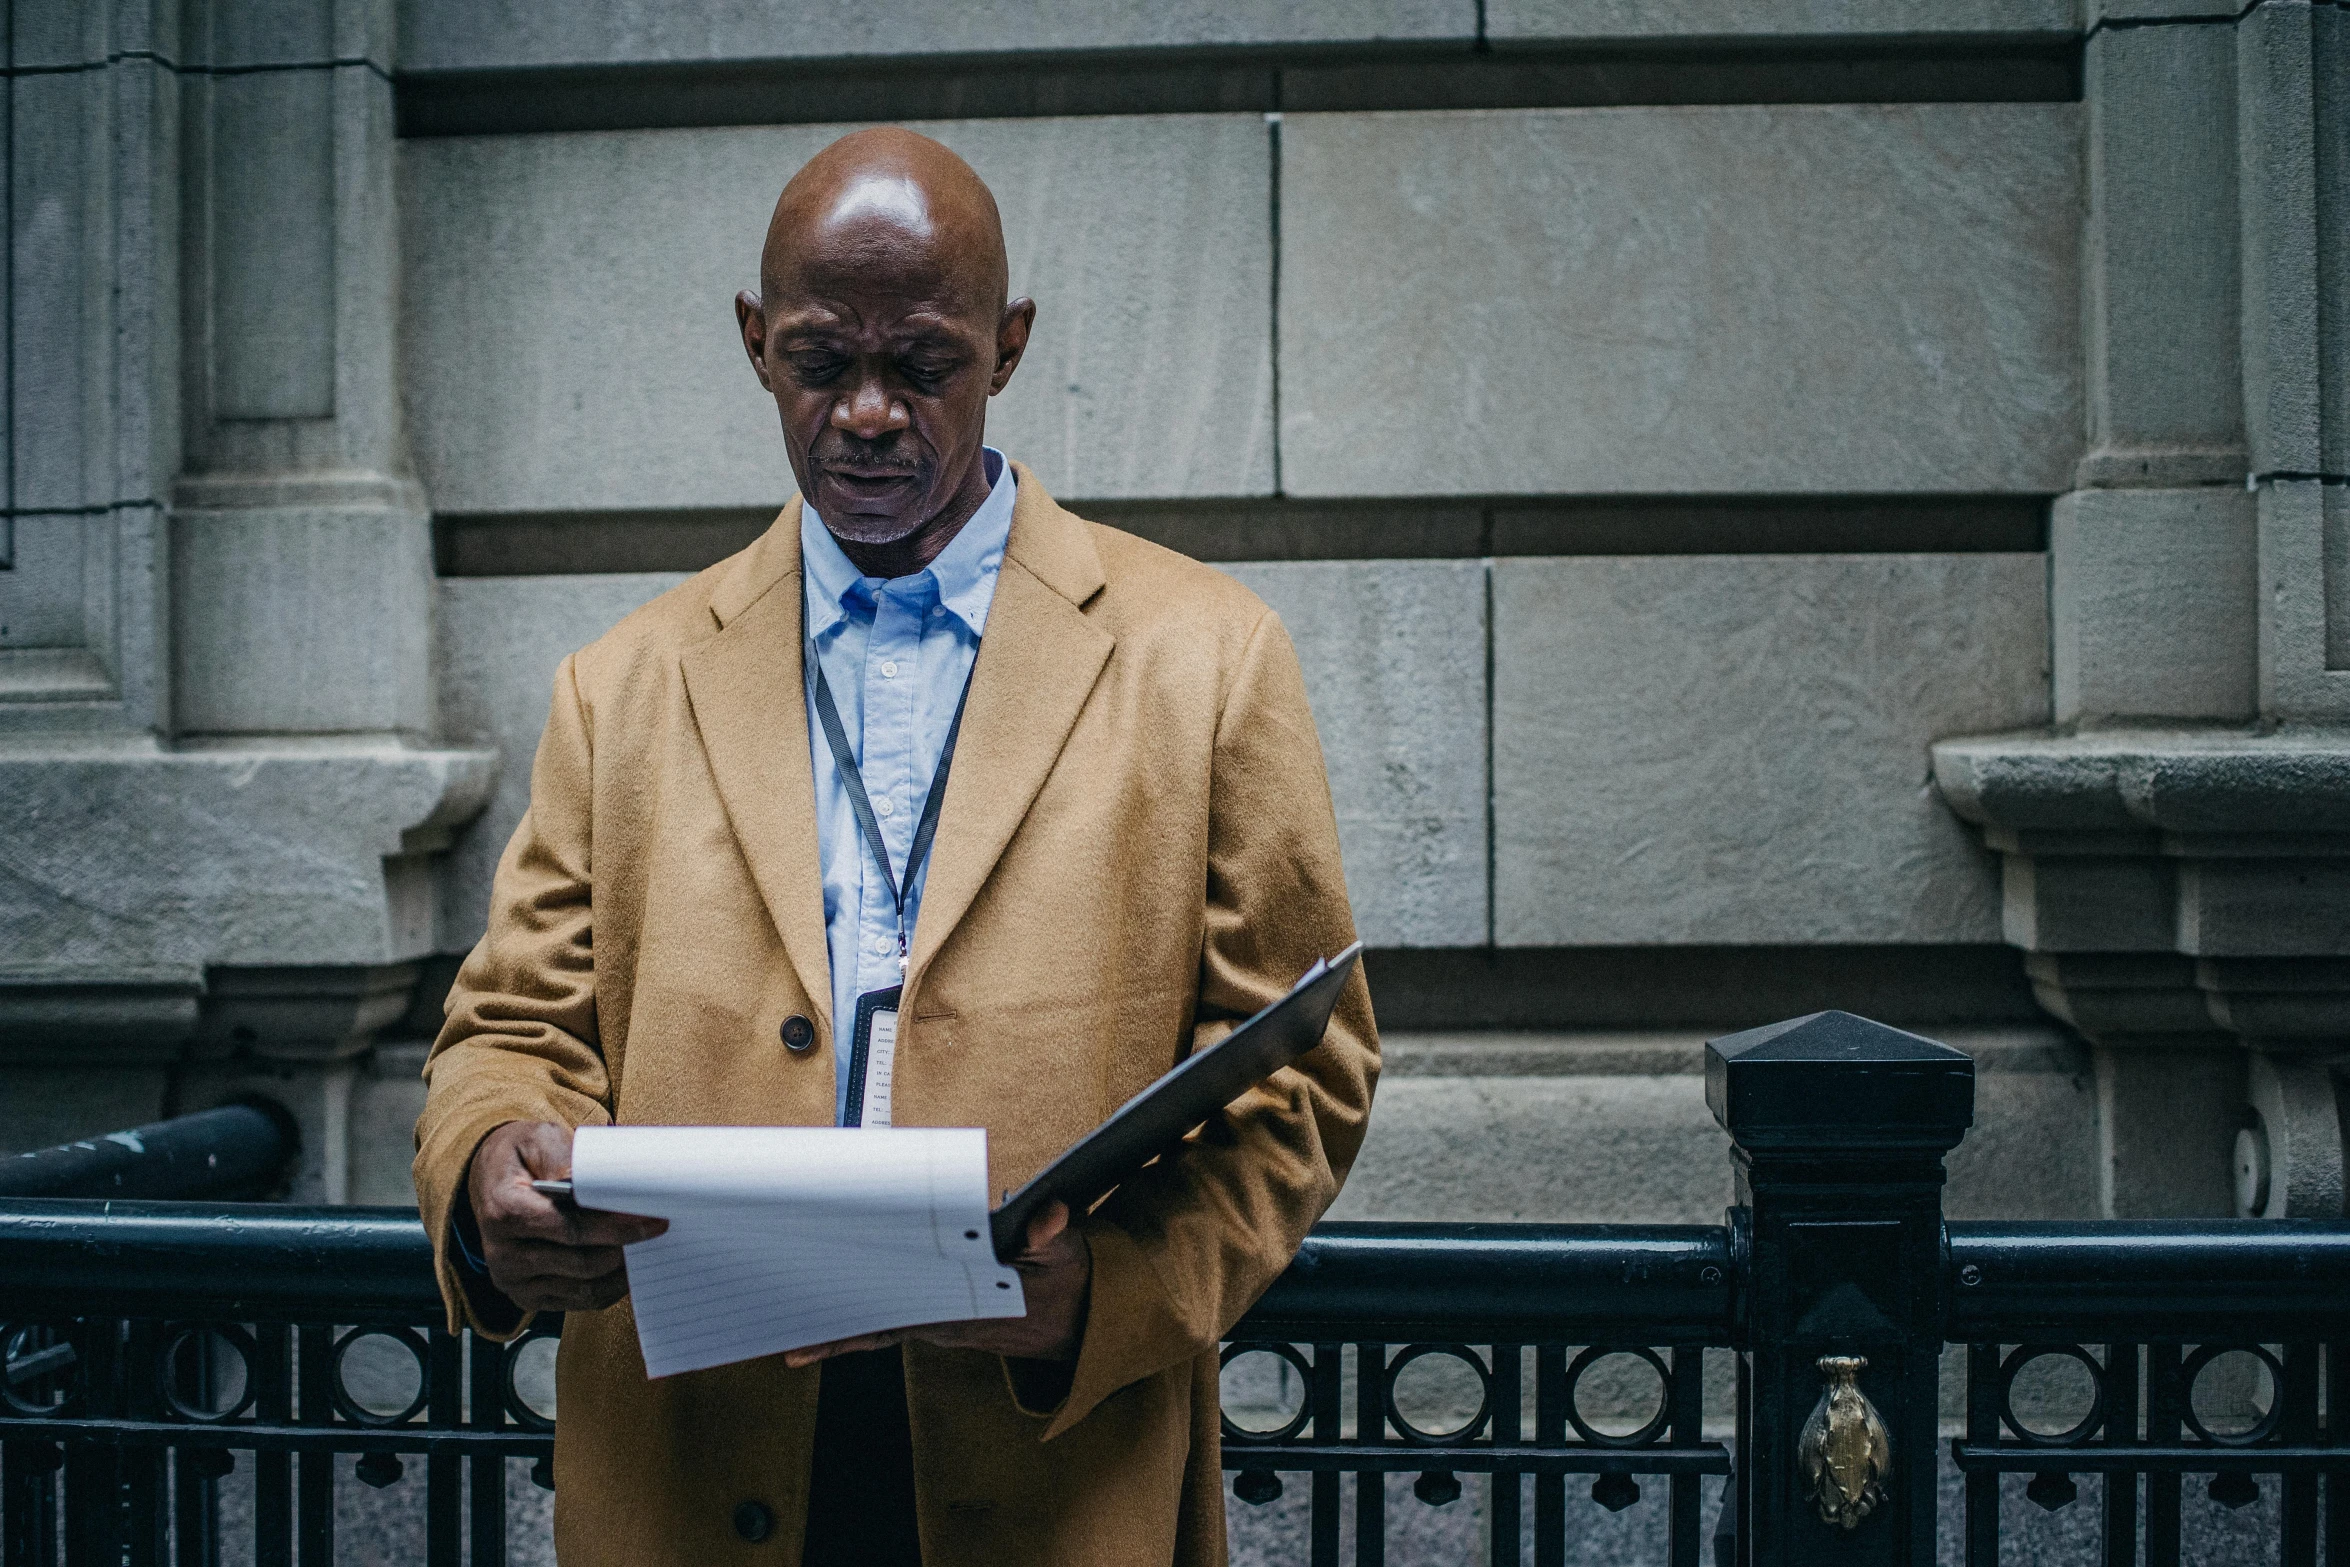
column 744, row 686
column 1037, row 664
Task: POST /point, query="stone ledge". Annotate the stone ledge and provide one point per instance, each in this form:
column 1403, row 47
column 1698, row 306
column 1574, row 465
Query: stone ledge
column 2173, row 781
column 1674, row 1052
column 2183, row 897
column 122, row 856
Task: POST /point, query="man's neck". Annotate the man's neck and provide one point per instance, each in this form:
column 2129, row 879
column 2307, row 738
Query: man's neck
column 904, row 557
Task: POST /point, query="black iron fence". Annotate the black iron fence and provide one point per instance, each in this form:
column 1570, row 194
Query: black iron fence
column 151, row 1347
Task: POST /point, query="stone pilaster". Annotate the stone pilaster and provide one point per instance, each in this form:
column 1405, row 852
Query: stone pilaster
column 2176, row 849
column 225, row 875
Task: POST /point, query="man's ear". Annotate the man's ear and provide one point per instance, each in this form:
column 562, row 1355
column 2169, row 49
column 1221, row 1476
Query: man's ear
column 1011, row 341
column 750, row 318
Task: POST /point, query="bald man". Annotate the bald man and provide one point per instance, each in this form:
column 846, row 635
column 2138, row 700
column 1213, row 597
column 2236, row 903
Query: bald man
column 932, row 751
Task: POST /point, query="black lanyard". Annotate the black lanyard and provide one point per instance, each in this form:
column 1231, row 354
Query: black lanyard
column 925, row 829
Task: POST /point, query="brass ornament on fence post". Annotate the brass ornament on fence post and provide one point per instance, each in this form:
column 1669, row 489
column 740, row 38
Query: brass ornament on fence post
column 1845, row 1452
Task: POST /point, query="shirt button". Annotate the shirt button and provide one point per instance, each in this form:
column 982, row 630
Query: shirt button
column 889, row 669
column 883, row 807
column 753, row 1522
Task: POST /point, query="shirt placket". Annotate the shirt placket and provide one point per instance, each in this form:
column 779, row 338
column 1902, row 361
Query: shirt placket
column 891, row 711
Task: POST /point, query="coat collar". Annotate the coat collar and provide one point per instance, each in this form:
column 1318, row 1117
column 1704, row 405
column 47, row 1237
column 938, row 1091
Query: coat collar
column 1037, row 665
column 744, row 687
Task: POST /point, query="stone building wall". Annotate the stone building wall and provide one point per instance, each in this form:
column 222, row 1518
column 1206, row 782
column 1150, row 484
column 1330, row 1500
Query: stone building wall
column 1782, row 503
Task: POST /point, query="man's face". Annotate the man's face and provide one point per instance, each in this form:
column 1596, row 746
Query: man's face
column 882, row 342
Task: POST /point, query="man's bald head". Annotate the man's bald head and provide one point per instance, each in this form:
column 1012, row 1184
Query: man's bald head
column 887, row 183
column 881, row 330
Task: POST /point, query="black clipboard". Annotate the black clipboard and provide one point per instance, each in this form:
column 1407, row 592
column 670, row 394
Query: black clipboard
column 1156, row 1119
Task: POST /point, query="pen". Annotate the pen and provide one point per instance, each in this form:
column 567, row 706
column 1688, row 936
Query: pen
column 559, row 1190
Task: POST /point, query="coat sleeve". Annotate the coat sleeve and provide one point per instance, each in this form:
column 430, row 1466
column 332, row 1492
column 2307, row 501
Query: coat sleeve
column 520, row 1042
column 1184, row 1248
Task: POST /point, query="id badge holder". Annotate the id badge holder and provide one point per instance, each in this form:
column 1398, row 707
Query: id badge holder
column 873, row 1058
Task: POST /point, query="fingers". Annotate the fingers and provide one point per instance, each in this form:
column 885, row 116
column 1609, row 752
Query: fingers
column 815, row 1353
column 592, row 1227
column 520, row 1152
column 542, row 1254
column 1046, row 1227
column 561, row 1294
column 536, row 1259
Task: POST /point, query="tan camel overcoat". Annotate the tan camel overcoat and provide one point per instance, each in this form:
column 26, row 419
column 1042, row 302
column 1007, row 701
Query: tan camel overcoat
column 1136, row 848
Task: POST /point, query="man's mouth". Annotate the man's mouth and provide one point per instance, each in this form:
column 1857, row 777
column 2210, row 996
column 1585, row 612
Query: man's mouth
column 858, row 480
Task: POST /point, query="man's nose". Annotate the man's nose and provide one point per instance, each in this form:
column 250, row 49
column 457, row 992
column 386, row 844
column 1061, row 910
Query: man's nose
column 867, row 411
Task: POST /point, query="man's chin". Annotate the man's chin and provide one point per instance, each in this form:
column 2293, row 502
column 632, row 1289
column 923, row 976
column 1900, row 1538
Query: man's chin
column 863, row 517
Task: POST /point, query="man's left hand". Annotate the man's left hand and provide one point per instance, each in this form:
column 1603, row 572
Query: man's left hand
column 1056, row 1275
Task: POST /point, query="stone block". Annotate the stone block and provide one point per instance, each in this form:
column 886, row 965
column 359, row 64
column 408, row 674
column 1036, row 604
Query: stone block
column 1394, row 659
column 1734, row 749
column 463, row 34
column 1588, row 1128
column 319, row 1097
column 2032, row 1152
column 57, row 319
column 2304, row 601
column 88, row 595
column 1394, row 656
column 500, row 641
column 2277, row 61
column 93, row 279
column 1565, row 1147
column 129, row 1019
column 2185, row 781
column 2088, row 903
column 55, row 35
column 273, row 33
column 2096, row 11
column 44, row 595
column 121, row 862
column 1521, row 21
column 387, row 1096
column 49, row 1105
column 291, row 336
column 1144, row 241
column 2167, row 1123
column 302, row 620
column 2152, row 599
column 2287, row 906
column 1860, row 298
column 2330, row 40
column 2161, row 268
column 272, row 245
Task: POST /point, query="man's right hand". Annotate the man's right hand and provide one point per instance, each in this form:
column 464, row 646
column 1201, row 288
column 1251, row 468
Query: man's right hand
column 544, row 1255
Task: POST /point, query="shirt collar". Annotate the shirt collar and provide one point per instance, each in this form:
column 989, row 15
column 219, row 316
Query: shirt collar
column 964, row 573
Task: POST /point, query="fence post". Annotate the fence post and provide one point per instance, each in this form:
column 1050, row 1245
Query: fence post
column 1840, row 1125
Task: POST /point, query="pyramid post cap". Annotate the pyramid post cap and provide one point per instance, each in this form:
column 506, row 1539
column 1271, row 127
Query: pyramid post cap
column 1831, row 1081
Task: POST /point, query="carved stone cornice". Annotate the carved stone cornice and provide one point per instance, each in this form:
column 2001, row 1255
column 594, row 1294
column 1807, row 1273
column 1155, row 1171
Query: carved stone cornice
column 2171, row 884
column 2181, row 890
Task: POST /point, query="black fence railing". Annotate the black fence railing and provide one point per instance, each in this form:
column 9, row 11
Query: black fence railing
column 2219, row 1350
column 153, row 1348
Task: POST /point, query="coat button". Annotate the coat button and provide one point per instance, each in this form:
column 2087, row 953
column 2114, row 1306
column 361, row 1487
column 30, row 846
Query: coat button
column 753, row 1522
column 798, row 1034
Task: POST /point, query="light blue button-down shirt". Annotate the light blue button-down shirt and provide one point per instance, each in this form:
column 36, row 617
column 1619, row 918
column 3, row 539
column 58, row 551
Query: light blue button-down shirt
column 895, row 651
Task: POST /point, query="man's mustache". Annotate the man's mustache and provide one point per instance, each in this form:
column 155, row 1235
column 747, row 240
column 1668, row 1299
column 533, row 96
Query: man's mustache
column 867, row 458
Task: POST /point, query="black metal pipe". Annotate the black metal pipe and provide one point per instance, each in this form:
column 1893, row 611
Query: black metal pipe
column 1651, row 1284
column 233, row 1262
column 2127, row 1280
column 1640, row 1283
column 238, row 1150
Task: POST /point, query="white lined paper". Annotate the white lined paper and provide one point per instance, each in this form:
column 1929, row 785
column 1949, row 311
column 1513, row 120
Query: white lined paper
column 784, row 1236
